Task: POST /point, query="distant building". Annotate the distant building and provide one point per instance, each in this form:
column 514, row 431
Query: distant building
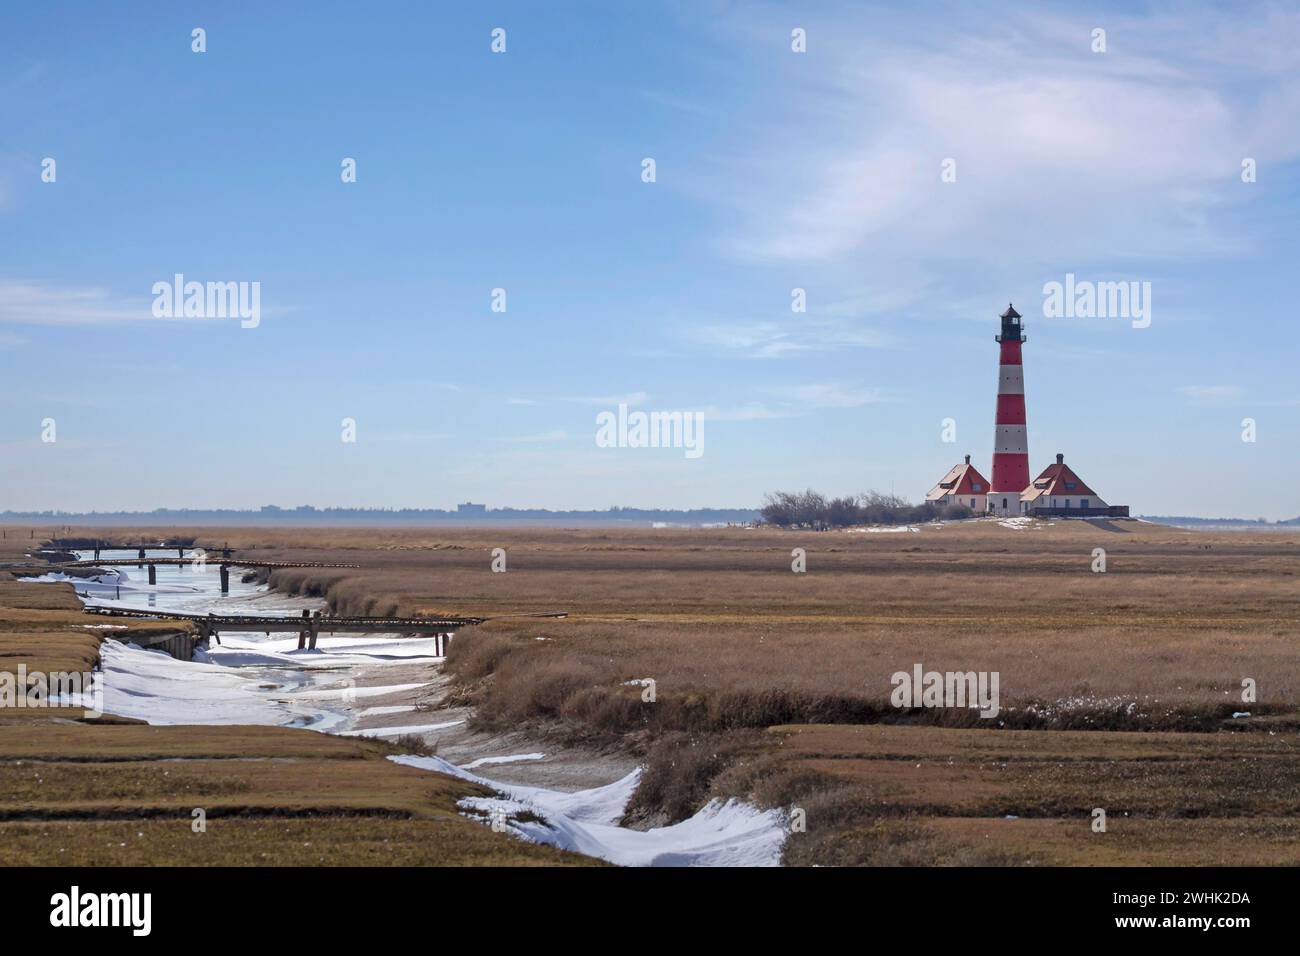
column 964, row 485
column 1058, row 490
column 471, row 509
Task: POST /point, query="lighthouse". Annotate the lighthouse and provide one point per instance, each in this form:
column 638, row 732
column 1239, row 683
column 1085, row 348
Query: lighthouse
column 1010, row 443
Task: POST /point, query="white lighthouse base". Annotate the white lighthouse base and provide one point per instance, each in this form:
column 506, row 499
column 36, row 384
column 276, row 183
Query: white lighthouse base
column 1003, row 503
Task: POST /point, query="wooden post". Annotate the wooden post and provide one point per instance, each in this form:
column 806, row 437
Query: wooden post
column 153, row 574
column 140, row 555
column 225, row 579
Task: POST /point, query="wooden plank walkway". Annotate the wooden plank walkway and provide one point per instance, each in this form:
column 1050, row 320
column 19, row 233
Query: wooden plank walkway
column 309, row 626
column 208, row 559
column 264, row 623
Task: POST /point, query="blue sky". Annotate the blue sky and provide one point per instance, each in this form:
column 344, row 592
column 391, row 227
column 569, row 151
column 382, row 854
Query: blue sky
column 819, row 170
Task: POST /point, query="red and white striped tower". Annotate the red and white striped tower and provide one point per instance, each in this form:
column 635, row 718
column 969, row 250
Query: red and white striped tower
column 1010, row 443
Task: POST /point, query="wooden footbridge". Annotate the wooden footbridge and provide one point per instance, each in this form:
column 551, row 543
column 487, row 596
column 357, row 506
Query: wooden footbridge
column 309, row 626
column 235, row 562
column 197, row 557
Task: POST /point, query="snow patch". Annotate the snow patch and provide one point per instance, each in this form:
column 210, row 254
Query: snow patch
column 155, row 687
column 399, row 731
column 1018, row 524
column 509, row 758
column 389, row 709
column 723, row 833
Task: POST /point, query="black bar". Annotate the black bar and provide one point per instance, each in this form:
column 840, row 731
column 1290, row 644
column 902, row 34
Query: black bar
column 954, row 907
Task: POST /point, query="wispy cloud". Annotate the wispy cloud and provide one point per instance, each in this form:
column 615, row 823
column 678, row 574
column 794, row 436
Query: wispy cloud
column 539, row 438
column 747, row 412
column 793, row 401
column 32, row 303
column 829, row 395
column 1061, row 153
column 40, row 303
column 409, row 437
column 631, row 398
column 1212, row 394
column 788, row 339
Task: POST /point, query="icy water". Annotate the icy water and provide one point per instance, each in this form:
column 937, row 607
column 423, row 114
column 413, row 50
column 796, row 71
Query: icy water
column 247, row 678
column 266, row 679
column 193, row 587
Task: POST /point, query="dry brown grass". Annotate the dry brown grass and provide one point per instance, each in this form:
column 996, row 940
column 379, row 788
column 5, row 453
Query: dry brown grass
column 43, row 627
column 271, row 841
column 736, row 642
column 733, row 638
column 83, row 794
column 923, row 795
column 117, row 792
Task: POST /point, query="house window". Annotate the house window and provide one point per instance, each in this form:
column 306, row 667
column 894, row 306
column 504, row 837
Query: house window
column 1083, row 502
column 1067, row 502
column 972, row 502
column 1004, row 503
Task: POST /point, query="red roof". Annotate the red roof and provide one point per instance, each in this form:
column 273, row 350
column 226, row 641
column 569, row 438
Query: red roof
column 1057, row 479
column 964, row 479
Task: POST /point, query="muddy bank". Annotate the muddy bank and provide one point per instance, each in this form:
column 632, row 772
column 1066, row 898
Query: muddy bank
column 511, row 756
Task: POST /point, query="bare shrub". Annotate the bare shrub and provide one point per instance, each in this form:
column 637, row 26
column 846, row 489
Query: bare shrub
column 808, row 509
column 680, row 770
column 415, row 744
